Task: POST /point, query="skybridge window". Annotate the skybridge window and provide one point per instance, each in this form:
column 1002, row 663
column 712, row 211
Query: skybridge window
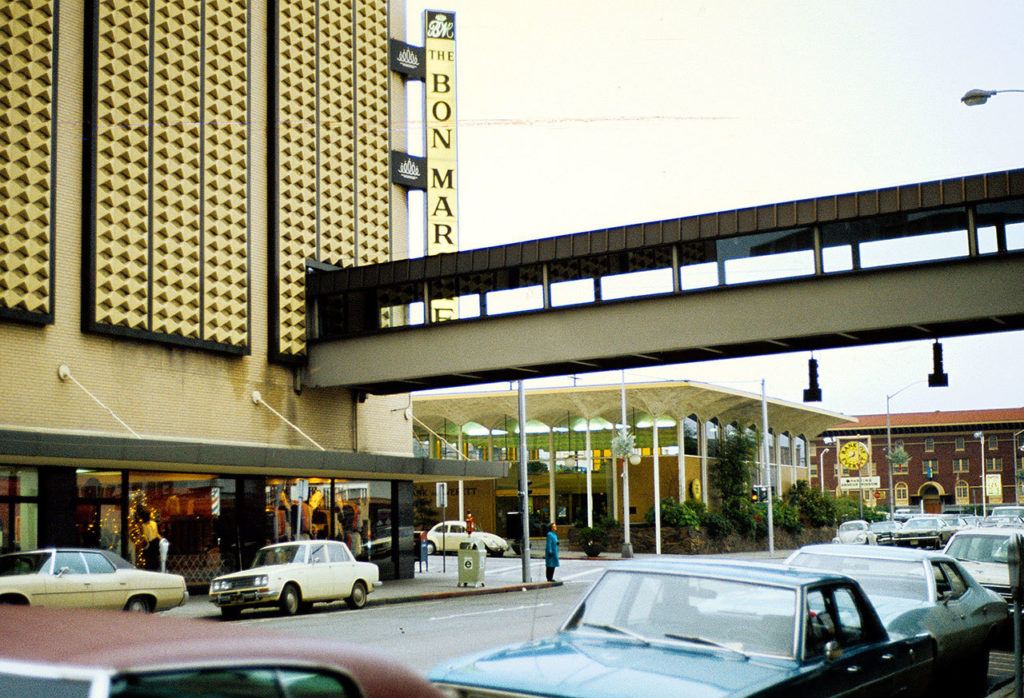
column 778, row 255
column 893, row 239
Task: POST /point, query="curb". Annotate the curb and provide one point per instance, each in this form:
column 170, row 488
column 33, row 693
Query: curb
column 478, row 591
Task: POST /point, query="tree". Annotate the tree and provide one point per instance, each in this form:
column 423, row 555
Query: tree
column 734, row 472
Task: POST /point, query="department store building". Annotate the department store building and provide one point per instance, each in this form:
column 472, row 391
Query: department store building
column 171, row 170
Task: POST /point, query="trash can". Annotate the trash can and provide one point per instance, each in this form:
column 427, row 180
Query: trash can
column 472, row 558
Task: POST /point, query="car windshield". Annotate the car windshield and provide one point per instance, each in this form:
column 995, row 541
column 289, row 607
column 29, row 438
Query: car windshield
column 277, row 555
column 879, row 577
column 980, row 548
column 884, row 526
column 1008, row 511
column 852, row 526
column 22, row 563
column 648, row 606
column 921, row 525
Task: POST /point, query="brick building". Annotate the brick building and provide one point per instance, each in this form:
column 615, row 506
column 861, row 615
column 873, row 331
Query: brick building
column 945, row 465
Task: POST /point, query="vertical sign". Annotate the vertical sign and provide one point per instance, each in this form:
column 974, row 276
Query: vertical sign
column 439, row 90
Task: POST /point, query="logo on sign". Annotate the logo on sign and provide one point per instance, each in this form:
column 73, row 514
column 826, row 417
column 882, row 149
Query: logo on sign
column 409, row 171
column 407, row 58
column 440, row 27
column 468, row 564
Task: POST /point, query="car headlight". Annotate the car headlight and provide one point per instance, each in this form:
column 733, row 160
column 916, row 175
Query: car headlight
column 262, row 580
column 861, row 538
column 219, row 585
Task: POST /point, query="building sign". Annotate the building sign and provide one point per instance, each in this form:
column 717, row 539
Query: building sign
column 442, row 181
column 994, row 487
column 868, row 482
column 408, row 171
column 406, row 59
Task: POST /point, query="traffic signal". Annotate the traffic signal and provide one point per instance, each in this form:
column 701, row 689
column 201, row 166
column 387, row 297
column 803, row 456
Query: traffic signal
column 759, row 493
column 754, row 496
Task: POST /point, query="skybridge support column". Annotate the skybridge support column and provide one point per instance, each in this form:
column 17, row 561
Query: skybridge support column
column 462, row 489
column 681, row 440
column 552, row 498
column 702, row 447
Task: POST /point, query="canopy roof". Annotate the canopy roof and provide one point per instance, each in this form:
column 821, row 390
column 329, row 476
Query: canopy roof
column 557, row 407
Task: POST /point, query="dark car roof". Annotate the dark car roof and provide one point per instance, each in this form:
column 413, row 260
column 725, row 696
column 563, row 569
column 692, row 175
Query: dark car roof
column 739, row 570
column 126, row 642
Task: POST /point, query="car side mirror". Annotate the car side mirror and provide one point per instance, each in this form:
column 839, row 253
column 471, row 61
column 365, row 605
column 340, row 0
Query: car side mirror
column 832, row 651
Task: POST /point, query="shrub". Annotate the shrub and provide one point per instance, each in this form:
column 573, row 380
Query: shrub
column 593, row 541
column 716, row 524
column 816, row 508
column 786, row 517
column 675, row 514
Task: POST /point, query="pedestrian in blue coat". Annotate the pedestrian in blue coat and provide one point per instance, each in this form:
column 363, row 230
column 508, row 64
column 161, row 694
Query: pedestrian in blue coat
column 551, row 551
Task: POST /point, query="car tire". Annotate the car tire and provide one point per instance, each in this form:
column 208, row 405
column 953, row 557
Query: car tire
column 431, row 548
column 231, row 612
column 139, row 604
column 494, row 552
column 357, row 599
column 290, row 602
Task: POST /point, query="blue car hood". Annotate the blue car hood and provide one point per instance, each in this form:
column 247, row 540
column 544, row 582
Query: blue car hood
column 572, row 664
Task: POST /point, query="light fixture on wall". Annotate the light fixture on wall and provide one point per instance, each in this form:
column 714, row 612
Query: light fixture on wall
column 813, row 391
column 937, row 378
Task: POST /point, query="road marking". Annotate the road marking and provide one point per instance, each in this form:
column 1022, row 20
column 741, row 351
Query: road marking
column 492, row 610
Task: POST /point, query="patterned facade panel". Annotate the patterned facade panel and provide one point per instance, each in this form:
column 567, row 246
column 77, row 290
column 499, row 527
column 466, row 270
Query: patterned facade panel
column 296, row 168
column 176, row 168
column 122, row 164
column 371, row 67
column 225, row 270
column 337, row 124
column 26, row 140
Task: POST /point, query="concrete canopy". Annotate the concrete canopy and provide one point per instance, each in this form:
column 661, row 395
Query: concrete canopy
column 673, row 400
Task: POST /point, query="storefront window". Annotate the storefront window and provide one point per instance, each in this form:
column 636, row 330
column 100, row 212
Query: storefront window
column 187, row 510
column 19, row 510
column 98, row 510
column 296, row 515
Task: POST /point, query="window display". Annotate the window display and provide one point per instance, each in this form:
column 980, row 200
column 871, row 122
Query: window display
column 19, row 509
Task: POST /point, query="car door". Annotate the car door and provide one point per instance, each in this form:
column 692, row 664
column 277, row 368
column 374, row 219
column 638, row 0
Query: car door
column 869, row 665
column 965, row 606
column 107, row 588
column 317, row 572
column 957, row 629
column 342, row 570
column 68, row 584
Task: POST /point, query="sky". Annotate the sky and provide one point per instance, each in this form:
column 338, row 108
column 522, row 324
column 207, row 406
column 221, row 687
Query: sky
column 585, row 114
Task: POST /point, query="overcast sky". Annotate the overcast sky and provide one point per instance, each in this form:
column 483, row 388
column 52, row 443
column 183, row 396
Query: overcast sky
column 584, row 114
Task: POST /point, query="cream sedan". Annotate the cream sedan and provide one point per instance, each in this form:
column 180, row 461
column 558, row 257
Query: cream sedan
column 85, row 578
column 293, row 576
column 448, row 535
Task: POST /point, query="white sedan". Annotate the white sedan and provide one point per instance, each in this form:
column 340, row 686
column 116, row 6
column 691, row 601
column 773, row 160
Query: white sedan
column 447, row 535
column 86, row 578
column 293, row 576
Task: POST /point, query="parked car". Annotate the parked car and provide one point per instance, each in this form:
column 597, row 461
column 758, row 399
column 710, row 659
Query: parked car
column 447, row 535
column 919, row 591
column 904, row 514
column 86, row 578
column 884, row 531
column 293, row 576
column 48, row 652
column 1002, row 521
column 857, row 532
column 705, row 628
column 985, row 553
column 1007, row 511
column 924, row 532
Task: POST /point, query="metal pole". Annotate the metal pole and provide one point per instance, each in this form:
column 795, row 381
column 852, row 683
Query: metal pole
column 627, row 546
column 984, row 497
column 821, row 469
column 767, row 469
column 888, row 457
column 590, row 486
column 657, row 491
column 524, row 484
column 1016, row 484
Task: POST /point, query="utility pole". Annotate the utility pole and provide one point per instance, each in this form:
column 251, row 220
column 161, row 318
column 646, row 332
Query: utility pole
column 524, row 485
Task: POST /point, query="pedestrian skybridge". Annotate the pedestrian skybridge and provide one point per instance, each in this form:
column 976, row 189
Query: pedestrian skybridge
column 919, row 261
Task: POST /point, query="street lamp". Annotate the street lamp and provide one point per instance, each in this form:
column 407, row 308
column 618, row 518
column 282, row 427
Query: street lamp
column 973, row 98
column 888, row 444
column 821, row 463
column 980, row 436
column 1017, row 448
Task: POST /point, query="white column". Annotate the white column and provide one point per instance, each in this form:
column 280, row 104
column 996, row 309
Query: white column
column 551, row 475
column 702, row 448
column 657, row 488
column 681, row 440
column 776, row 460
column 490, row 444
column 614, row 475
column 590, row 486
column 462, row 493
